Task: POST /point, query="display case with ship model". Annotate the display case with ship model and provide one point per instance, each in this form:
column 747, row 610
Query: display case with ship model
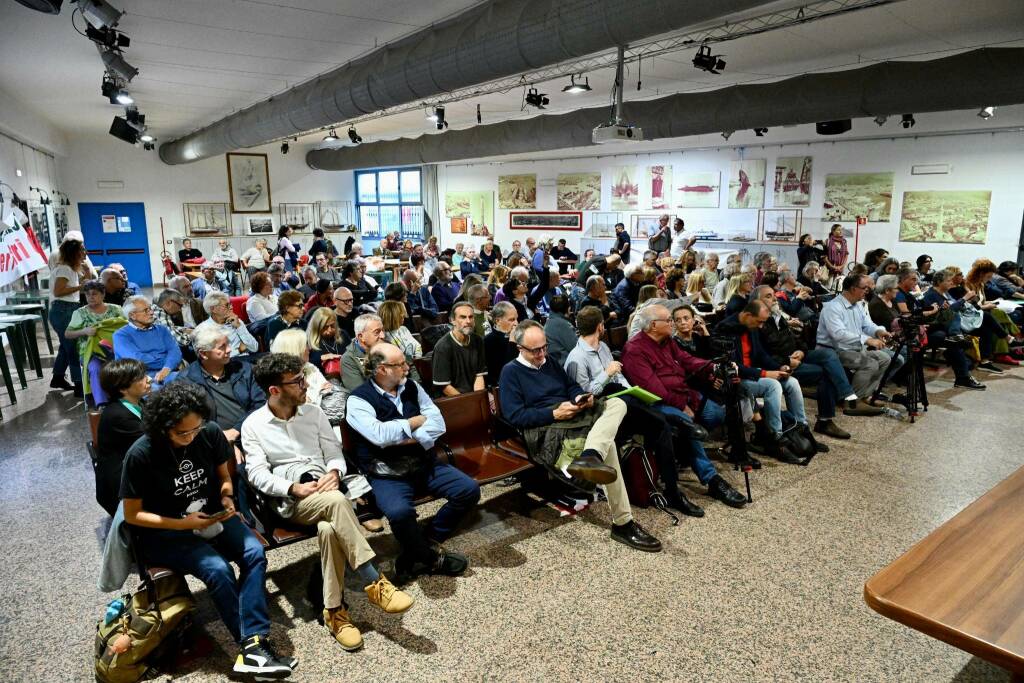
column 298, row 217
column 782, row 226
column 335, row 216
column 207, row 220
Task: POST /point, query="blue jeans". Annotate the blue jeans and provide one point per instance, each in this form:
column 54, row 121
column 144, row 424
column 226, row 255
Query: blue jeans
column 242, row 602
column 700, row 463
column 395, row 499
column 772, row 391
column 809, row 372
column 67, row 349
column 829, row 362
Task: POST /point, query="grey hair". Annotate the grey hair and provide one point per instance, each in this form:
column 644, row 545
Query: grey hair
column 785, row 274
column 645, row 316
column 500, row 310
column 308, row 269
column 177, row 280
column 593, row 280
column 133, row 301
column 275, row 268
column 756, row 294
column 213, row 299
column 170, row 295
column 886, row 282
column 517, row 271
column 904, row 273
column 109, row 272
column 365, row 319
column 632, row 268
column 939, row 276
column 520, row 331
column 809, row 266
column 475, row 292
column 205, row 338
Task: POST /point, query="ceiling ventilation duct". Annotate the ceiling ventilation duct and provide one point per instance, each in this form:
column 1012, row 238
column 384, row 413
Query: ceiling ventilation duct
column 987, row 77
column 492, row 40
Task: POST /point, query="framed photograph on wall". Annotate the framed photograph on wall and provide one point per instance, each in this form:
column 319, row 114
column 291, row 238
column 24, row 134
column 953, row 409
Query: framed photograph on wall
column 460, row 225
column 298, row 217
column 545, row 220
column 249, row 183
column 207, row 220
column 261, row 225
column 602, row 223
column 60, row 222
column 644, row 225
column 40, row 222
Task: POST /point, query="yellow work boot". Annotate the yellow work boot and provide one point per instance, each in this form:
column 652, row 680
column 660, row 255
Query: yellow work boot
column 337, row 622
column 384, row 594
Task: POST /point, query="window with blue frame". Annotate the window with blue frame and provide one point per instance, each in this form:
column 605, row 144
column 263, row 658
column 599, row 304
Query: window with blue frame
column 390, row 200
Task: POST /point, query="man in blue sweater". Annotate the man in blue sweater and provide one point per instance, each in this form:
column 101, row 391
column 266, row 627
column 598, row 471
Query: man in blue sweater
column 445, row 290
column 145, row 341
column 536, row 393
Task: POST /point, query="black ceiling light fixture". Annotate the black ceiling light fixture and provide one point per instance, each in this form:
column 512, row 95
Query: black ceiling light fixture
column 332, row 136
column 122, row 130
column 354, row 136
column 437, row 116
column 99, row 13
column 44, row 197
column 726, row 134
column 536, row 99
column 575, row 88
column 114, row 91
column 116, row 64
column 987, row 112
column 44, row 6
column 284, row 147
column 837, row 127
column 908, row 121
column 881, row 119
column 705, row 61
column 759, row 132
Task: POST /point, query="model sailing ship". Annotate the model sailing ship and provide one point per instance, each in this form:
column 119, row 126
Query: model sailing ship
column 205, row 221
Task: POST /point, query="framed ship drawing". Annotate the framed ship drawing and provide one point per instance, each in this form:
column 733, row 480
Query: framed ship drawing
column 781, row 226
column 249, row 183
column 545, row 220
column 207, row 220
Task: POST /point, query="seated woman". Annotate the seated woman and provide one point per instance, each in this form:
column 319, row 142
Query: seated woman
column 88, row 322
column 498, row 349
column 648, row 296
column 352, row 278
column 675, row 283
column 718, row 294
column 392, row 314
column 737, row 292
column 696, row 290
column 289, row 313
column 262, row 302
column 995, row 333
column 178, row 494
column 497, row 278
column 125, row 381
column 326, row 341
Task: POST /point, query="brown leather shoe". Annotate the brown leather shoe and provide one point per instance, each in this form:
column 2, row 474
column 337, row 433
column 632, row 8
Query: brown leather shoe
column 830, row 428
column 857, row 409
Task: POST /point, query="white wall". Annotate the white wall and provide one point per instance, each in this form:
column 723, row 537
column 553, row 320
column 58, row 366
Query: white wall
column 164, row 189
column 990, row 161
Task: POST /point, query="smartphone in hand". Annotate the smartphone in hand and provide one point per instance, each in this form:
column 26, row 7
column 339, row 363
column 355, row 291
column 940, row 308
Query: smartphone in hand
column 581, row 399
column 220, row 515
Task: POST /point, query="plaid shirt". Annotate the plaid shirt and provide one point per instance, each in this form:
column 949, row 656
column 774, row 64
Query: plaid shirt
column 181, row 336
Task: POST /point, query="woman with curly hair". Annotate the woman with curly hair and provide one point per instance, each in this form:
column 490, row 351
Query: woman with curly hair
column 675, row 283
column 178, row 494
column 993, row 335
column 497, row 278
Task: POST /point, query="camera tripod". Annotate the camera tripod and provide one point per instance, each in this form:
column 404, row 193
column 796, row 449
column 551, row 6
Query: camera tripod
column 917, row 394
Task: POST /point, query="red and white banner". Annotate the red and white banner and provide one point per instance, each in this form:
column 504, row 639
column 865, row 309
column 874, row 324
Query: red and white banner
column 20, row 252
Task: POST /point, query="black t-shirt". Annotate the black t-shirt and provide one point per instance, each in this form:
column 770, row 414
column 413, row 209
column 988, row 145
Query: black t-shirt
column 622, row 244
column 186, row 254
column 458, row 365
column 174, row 482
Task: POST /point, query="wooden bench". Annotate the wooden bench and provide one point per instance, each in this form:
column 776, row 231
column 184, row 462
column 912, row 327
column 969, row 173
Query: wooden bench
column 964, row 582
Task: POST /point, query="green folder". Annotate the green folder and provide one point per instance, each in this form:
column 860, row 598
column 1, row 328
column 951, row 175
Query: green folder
column 636, row 392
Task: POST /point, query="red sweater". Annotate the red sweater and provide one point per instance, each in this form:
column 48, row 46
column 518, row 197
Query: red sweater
column 663, row 369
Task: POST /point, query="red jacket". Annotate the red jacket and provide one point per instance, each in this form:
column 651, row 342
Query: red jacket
column 663, row 369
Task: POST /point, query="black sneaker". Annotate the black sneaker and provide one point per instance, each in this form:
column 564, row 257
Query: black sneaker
column 991, row 367
column 969, row 382
column 259, row 659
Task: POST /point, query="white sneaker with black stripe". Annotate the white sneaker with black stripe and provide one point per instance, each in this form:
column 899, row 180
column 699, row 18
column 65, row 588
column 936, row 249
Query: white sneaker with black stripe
column 257, row 658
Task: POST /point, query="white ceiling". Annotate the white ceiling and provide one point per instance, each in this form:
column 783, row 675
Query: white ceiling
column 200, row 60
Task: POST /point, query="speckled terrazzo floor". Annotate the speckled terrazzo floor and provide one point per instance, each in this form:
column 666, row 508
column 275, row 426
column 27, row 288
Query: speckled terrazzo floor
column 770, row 593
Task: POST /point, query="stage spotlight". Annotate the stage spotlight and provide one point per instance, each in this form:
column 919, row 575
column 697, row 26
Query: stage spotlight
column 116, row 65
column 536, row 99
column 331, row 137
column 727, row 134
column 284, row 148
column 987, row 112
column 575, row 87
column 122, row 130
column 353, row 135
column 908, row 121
column 99, row 14
column 438, row 118
column 148, row 146
column 881, row 119
column 759, row 132
column 706, row 61
column 44, row 6
column 108, row 37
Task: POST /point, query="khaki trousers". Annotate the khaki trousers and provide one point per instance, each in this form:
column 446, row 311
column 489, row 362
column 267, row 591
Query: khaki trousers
column 341, row 539
column 602, row 439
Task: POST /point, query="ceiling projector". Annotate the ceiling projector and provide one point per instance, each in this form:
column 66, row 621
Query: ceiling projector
column 617, row 132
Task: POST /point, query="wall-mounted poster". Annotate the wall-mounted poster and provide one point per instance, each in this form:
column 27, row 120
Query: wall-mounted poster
column 298, row 217
column 460, row 225
column 477, row 206
column 659, row 180
column 60, row 223
column 746, row 184
column 625, row 188
column 207, row 220
column 848, row 195
column 40, row 224
column 945, row 216
column 697, row 190
column 517, row 191
column 578, row 191
column 602, row 224
column 248, row 183
column 260, row 225
column 545, row 220
column 780, row 225
column 792, row 181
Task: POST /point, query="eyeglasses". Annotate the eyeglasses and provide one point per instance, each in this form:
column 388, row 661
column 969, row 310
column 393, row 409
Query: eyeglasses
column 188, row 433
column 344, row 301
column 403, row 364
column 301, row 381
column 539, row 349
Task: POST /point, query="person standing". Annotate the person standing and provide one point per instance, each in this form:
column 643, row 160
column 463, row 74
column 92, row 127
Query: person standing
column 836, row 252
column 64, row 301
column 622, row 243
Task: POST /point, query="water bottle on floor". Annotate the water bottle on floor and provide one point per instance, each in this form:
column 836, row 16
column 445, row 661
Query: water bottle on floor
column 894, row 414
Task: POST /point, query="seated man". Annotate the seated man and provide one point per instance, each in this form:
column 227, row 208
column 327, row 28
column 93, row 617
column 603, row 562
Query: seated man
column 762, row 377
column 174, row 484
column 597, row 295
column 115, row 288
column 223, row 318
column 277, row 275
column 395, row 425
column 344, row 309
column 148, row 342
column 793, row 297
column 819, row 365
column 187, row 252
column 132, row 287
column 231, row 392
column 421, row 301
column 459, row 363
column 445, row 290
column 213, row 280
column 192, row 311
column 591, row 365
column 478, row 296
column 537, row 395
column 845, row 328
column 560, row 333
column 653, row 361
column 369, row 331
column 322, row 296
column 294, row 456
column 324, row 271
column 167, row 311
column 628, row 290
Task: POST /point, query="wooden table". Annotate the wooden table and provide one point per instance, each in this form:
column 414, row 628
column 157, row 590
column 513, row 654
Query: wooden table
column 964, row 582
